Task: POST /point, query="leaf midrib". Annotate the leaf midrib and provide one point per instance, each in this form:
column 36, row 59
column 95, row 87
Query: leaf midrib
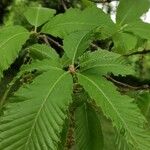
column 42, row 105
column 37, row 16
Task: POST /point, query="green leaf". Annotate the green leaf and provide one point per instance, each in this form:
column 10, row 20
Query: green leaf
column 124, row 42
column 143, row 101
column 125, row 115
column 42, row 51
column 88, row 134
column 140, row 29
column 64, row 133
column 37, row 113
column 11, row 42
column 41, row 66
column 121, row 142
column 131, row 10
column 76, row 43
column 103, row 62
column 35, row 66
column 65, row 61
column 77, row 20
column 37, row 16
column 87, row 3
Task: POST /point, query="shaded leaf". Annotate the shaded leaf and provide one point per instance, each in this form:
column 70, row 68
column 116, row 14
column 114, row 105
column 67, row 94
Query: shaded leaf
column 88, row 134
column 65, row 61
column 140, row 29
column 124, row 42
column 11, row 41
column 143, row 101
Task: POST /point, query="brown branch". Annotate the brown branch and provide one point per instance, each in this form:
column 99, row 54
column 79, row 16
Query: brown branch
column 64, row 5
column 143, row 87
column 55, row 42
column 47, row 39
column 104, row 1
column 94, row 45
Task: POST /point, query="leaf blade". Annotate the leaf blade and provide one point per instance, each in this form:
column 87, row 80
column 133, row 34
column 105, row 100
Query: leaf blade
column 103, row 62
column 75, row 20
column 76, row 43
column 139, row 28
column 42, row 51
column 44, row 120
column 9, row 51
column 88, row 134
column 128, row 124
column 124, row 42
column 37, row 16
column 131, row 10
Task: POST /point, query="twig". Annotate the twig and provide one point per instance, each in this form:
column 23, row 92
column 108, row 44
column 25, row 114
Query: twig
column 64, row 5
column 45, row 39
column 104, row 1
column 55, row 42
column 139, row 53
column 94, row 45
column 127, row 85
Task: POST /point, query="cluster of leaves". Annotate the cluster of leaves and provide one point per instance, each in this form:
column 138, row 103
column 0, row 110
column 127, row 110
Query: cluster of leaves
column 60, row 107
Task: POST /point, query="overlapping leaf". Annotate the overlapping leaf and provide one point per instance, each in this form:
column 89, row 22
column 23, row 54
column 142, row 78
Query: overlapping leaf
column 140, row 29
column 11, row 42
column 88, row 134
column 35, row 66
column 41, row 66
column 143, row 101
column 103, row 62
column 37, row 113
column 42, row 51
column 76, row 20
column 125, row 115
column 124, row 42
